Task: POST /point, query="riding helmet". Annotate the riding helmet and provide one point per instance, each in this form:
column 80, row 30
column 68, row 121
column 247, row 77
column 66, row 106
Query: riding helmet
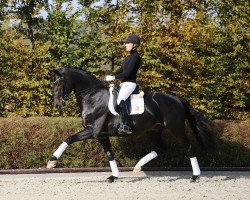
column 132, row 38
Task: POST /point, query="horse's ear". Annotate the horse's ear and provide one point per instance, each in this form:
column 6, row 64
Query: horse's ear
column 56, row 71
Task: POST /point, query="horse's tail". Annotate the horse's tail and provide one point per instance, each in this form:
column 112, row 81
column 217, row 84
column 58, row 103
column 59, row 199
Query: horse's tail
column 200, row 126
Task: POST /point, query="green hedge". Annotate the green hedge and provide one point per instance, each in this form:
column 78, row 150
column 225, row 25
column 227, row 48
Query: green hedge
column 30, row 142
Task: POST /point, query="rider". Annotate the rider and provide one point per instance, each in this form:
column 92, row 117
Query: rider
column 127, row 75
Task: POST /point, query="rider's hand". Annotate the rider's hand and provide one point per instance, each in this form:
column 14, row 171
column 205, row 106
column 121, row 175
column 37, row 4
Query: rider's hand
column 109, row 78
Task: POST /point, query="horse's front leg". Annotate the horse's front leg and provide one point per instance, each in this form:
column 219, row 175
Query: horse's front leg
column 82, row 135
column 105, row 142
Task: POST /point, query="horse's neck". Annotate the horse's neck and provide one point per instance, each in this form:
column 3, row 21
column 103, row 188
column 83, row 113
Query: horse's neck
column 84, row 82
column 93, row 100
column 85, row 87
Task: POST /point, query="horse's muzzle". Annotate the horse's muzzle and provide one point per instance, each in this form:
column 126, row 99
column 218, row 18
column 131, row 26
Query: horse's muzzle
column 58, row 102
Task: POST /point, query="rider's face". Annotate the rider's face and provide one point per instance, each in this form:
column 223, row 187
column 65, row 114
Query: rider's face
column 129, row 46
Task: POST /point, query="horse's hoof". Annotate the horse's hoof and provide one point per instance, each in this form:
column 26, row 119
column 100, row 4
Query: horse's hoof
column 136, row 169
column 51, row 164
column 111, row 179
column 194, row 178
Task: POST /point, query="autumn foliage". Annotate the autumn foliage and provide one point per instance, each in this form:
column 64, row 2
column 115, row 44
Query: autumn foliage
column 198, row 50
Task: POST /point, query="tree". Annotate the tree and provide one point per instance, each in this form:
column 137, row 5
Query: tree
column 193, row 49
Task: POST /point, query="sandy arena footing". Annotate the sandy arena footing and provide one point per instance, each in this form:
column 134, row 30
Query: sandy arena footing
column 221, row 185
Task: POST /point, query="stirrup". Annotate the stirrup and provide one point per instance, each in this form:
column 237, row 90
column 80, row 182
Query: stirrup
column 125, row 129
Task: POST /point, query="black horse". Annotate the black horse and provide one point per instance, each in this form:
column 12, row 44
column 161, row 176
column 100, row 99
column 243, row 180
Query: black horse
column 162, row 111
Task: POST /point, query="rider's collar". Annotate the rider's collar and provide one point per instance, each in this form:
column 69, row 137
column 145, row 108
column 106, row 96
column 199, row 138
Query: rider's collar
column 133, row 51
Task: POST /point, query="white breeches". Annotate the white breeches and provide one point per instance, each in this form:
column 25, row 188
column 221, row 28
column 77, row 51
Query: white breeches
column 127, row 88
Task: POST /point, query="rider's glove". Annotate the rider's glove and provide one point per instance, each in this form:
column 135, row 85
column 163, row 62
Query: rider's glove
column 109, row 78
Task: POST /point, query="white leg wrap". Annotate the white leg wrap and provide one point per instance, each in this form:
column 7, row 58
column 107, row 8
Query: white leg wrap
column 114, row 168
column 146, row 159
column 60, row 150
column 195, row 166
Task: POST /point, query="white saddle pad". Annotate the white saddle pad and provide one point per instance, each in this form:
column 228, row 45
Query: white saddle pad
column 137, row 102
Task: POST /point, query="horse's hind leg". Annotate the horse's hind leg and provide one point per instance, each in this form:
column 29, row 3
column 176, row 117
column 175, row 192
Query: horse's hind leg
column 105, row 142
column 194, row 163
column 144, row 160
column 179, row 132
column 82, row 135
column 192, row 156
column 156, row 151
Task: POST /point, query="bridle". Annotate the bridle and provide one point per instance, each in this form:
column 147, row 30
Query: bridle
column 58, row 79
column 64, row 96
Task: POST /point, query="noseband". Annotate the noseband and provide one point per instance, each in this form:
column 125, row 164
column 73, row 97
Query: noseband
column 77, row 94
column 63, row 94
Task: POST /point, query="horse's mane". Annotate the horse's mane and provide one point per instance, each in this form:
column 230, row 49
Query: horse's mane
column 84, row 71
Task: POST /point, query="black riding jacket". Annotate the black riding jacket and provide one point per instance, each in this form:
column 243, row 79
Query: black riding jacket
column 130, row 66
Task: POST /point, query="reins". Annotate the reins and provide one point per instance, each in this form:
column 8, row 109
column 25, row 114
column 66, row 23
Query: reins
column 88, row 90
column 85, row 91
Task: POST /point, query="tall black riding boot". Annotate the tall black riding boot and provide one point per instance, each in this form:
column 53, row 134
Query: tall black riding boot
column 126, row 127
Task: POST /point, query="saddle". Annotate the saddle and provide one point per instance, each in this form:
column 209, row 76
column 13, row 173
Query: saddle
column 134, row 104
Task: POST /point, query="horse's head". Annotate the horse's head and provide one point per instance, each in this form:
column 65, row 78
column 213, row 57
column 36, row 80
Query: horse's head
column 61, row 88
column 71, row 79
